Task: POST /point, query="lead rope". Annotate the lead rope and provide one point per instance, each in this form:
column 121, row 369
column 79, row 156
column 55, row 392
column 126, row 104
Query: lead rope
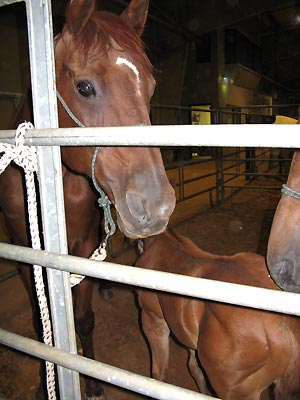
column 109, row 225
column 103, row 201
column 26, row 158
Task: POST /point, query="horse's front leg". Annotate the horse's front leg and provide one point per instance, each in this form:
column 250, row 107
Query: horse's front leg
column 196, row 373
column 157, row 333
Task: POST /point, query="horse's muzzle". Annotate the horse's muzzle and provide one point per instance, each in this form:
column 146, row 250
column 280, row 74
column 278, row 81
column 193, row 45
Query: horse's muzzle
column 140, row 218
column 284, row 273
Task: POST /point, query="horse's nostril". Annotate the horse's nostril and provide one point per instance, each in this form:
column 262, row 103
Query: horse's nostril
column 136, row 205
column 284, row 274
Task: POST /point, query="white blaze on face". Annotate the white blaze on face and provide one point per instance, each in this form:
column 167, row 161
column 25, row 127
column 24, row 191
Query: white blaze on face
column 121, row 60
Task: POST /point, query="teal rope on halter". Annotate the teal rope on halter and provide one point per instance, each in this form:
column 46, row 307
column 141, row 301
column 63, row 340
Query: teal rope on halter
column 68, row 110
column 103, row 201
column 290, row 192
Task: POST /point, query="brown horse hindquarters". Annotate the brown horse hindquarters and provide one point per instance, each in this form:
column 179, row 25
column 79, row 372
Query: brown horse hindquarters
column 242, row 350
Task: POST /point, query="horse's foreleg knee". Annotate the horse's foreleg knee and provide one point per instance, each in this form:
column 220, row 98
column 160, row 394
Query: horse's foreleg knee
column 157, row 333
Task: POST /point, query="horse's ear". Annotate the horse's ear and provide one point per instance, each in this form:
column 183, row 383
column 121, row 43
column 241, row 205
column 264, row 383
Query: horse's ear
column 78, row 13
column 135, row 15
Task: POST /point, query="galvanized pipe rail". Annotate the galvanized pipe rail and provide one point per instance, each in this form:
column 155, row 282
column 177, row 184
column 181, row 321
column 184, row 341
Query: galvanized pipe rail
column 41, row 52
column 260, row 135
column 45, row 117
column 247, row 296
column 104, row 372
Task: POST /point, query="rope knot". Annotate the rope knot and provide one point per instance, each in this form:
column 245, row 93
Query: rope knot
column 104, row 201
column 22, row 155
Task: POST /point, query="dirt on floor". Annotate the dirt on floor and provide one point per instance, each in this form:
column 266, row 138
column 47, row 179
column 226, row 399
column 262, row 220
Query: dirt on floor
column 242, row 223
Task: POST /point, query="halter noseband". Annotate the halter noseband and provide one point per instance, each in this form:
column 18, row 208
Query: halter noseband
column 290, row 192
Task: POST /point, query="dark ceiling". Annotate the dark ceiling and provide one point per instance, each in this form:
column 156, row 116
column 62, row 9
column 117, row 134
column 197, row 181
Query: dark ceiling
column 272, row 26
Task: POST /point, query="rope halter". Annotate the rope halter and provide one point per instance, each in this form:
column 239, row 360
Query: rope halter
column 103, row 202
column 290, row 192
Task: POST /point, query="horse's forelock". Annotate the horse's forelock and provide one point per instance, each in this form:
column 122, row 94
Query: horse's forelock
column 103, row 26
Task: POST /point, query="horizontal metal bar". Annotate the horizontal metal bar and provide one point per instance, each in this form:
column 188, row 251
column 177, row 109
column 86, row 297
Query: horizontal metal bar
column 8, row 2
column 10, row 95
column 200, row 177
column 243, row 295
column 257, row 174
column 199, row 193
column 252, row 187
column 99, row 370
column 165, row 135
column 8, row 275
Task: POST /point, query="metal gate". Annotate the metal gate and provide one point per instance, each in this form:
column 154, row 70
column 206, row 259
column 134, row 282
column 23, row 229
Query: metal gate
column 58, row 266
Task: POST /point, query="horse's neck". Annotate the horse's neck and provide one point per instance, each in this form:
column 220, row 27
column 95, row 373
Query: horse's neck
column 185, row 244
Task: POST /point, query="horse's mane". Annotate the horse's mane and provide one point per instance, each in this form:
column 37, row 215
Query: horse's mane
column 103, row 26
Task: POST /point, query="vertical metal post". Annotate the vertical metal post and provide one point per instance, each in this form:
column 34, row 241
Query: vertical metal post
column 220, row 189
column 181, row 173
column 51, row 190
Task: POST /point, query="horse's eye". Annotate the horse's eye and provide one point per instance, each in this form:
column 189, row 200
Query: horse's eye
column 86, row 89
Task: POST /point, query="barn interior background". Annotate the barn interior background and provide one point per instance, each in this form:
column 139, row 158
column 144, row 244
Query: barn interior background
column 219, row 61
column 223, row 61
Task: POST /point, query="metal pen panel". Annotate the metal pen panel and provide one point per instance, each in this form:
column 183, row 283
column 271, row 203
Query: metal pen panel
column 113, row 375
column 259, row 135
column 40, row 33
column 225, row 292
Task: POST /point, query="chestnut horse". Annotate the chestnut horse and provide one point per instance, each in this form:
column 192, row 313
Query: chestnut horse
column 283, row 254
column 105, row 78
column 242, row 351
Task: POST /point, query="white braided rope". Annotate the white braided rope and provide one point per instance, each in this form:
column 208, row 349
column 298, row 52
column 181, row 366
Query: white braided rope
column 26, row 157
column 98, row 255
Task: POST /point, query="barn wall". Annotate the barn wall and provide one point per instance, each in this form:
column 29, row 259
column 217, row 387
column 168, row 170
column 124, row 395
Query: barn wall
column 237, row 95
column 170, row 80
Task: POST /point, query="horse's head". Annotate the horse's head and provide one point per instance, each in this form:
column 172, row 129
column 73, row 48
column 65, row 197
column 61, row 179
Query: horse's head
column 105, row 78
column 283, row 255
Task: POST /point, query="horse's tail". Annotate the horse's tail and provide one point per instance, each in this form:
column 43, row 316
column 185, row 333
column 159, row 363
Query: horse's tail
column 287, row 387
